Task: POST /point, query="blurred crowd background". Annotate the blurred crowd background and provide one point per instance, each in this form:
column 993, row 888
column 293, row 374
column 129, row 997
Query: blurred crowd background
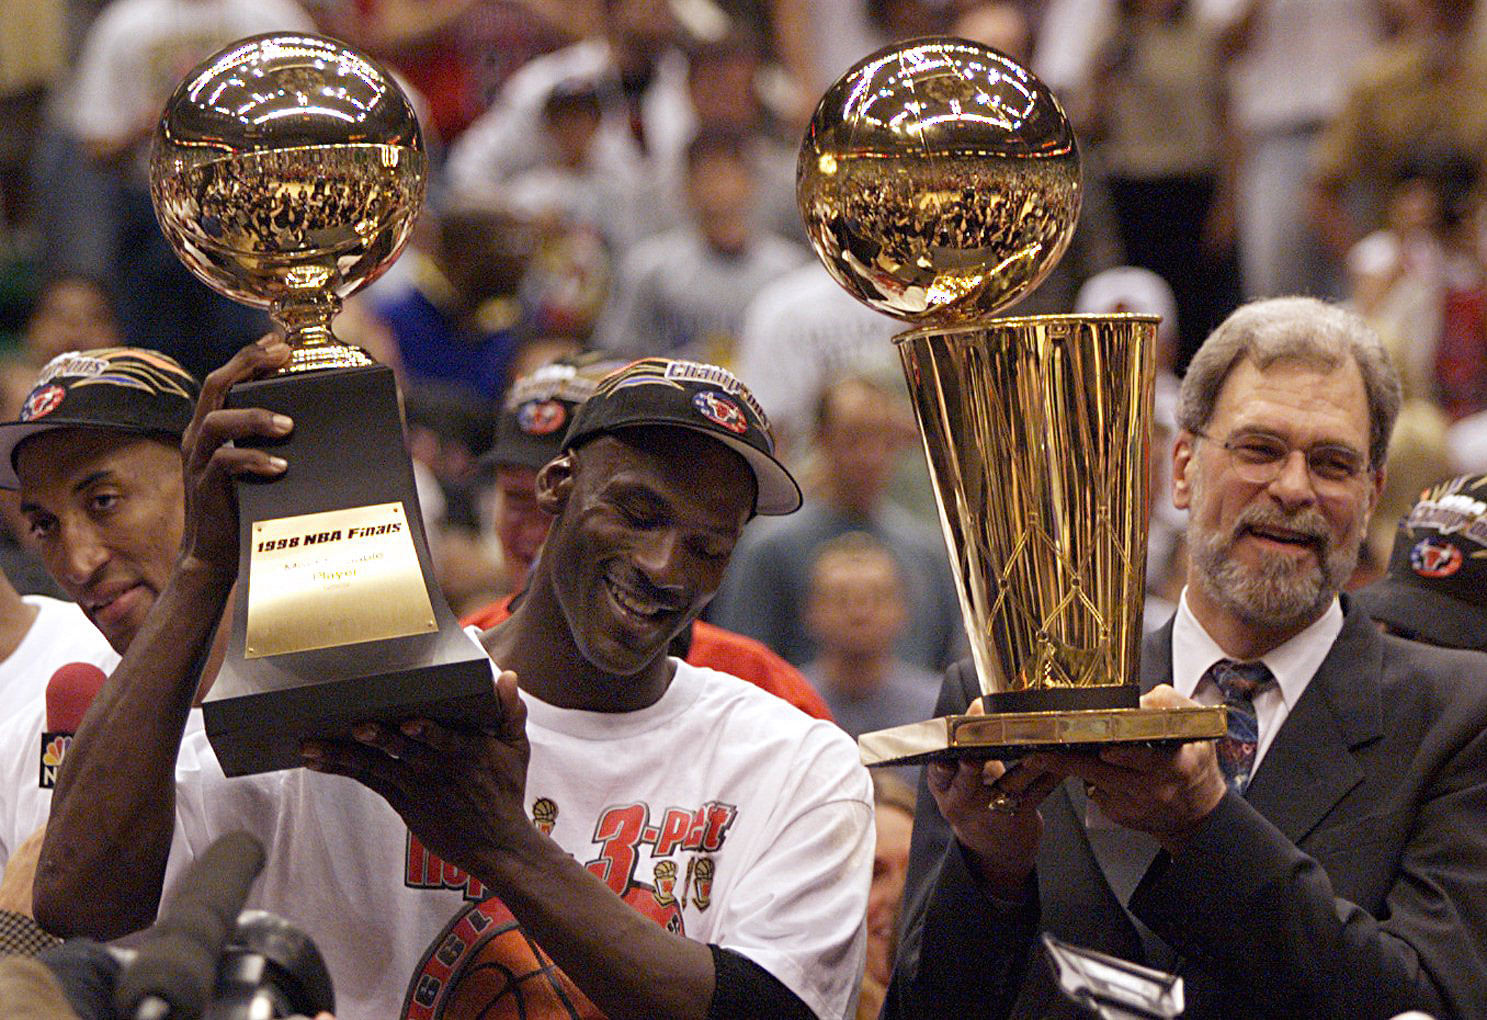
column 619, row 175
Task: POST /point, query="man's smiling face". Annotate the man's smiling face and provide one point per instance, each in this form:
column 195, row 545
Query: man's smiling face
column 1272, row 556
column 106, row 510
column 648, row 523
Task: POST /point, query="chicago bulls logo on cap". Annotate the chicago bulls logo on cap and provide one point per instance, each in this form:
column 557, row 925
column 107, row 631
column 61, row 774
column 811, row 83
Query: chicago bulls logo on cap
column 1435, row 558
column 541, row 417
column 719, row 410
column 42, row 402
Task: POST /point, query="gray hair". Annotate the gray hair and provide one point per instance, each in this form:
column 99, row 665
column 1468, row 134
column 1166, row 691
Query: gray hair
column 1294, row 329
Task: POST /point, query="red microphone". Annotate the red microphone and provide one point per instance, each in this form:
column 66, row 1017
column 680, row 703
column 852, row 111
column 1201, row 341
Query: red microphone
column 68, row 694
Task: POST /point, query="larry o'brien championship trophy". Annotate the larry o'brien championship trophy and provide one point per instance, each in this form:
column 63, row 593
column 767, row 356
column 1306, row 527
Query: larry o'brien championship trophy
column 939, row 182
column 287, row 172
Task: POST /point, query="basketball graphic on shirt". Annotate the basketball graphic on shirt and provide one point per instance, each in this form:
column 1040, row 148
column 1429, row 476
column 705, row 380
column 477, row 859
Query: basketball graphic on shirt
column 485, row 967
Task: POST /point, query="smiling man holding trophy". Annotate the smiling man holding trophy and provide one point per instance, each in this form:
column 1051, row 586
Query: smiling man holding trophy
column 1323, row 857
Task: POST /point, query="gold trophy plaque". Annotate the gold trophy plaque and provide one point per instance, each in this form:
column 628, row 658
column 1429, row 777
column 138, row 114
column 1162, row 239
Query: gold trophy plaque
column 939, row 182
column 287, row 171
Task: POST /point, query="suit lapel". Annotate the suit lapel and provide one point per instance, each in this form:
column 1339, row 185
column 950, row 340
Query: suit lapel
column 1310, row 765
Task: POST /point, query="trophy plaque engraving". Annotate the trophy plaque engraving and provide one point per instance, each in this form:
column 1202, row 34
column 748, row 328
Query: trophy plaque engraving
column 287, row 171
column 939, row 182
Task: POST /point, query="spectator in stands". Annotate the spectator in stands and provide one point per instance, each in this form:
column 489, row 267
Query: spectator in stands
column 861, row 427
column 801, row 332
column 1436, row 587
column 1420, row 281
column 1419, row 94
column 1095, row 246
column 725, row 79
column 71, row 313
column 575, row 190
column 135, row 54
column 1158, row 121
column 456, row 320
column 639, row 74
column 1290, row 64
column 855, row 612
column 893, row 820
column 684, row 293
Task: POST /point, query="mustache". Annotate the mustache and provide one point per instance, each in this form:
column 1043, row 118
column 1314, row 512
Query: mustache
column 1306, row 522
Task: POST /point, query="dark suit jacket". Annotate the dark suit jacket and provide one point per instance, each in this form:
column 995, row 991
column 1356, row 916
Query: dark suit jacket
column 1349, row 882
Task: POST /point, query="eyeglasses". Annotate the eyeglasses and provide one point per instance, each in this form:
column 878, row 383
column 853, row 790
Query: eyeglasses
column 1259, row 459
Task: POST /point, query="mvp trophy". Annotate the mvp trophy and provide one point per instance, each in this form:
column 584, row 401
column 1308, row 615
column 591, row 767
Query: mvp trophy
column 939, row 182
column 287, row 171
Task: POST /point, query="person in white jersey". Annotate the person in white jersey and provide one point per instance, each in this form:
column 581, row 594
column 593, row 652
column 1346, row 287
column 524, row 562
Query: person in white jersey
column 638, row 837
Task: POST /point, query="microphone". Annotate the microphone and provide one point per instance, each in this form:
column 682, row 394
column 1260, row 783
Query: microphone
column 175, row 970
column 69, row 692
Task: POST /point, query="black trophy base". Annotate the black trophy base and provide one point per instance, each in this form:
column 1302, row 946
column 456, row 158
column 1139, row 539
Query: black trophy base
column 341, row 622
column 261, row 730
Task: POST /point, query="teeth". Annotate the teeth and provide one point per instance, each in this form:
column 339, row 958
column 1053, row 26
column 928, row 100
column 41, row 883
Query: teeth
column 631, row 603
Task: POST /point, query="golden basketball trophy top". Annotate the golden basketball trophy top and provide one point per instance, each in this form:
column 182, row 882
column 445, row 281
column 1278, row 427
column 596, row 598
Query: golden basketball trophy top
column 286, row 173
column 939, row 182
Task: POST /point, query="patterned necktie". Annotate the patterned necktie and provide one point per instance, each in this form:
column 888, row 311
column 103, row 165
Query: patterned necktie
column 1239, row 682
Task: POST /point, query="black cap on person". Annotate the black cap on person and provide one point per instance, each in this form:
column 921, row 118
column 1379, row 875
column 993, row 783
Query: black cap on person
column 1436, row 587
column 540, row 406
column 126, row 389
column 690, row 395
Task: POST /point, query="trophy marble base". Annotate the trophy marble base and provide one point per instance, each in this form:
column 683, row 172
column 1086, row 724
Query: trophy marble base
column 1010, row 735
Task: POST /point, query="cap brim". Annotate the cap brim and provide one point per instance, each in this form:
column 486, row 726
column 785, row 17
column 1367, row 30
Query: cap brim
column 15, row 433
column 517, row 454
column 778, row 492
column 1438, row 618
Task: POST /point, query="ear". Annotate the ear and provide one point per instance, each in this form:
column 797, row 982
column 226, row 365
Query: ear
column 555, row 483
column 1376, row 490
column 1184, row 453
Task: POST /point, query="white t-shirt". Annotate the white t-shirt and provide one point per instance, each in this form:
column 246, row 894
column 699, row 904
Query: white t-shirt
column 802, row 332
column 61, row 634
column 679, row 297
column 716, row 771
column 137, row 51
column 25, row 804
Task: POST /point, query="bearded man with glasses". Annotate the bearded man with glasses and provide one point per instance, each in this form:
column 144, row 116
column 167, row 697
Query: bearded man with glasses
column 1328, row 858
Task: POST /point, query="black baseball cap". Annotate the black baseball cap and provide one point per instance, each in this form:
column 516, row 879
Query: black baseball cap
column 1436, row 587
column 695, row 396
column 539, row 407
column 127, row 389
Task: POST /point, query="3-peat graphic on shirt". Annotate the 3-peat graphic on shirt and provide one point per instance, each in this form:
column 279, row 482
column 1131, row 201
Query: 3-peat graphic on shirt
column 484, row 965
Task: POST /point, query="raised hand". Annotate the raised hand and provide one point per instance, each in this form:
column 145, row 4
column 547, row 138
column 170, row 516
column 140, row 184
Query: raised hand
column 211, row 460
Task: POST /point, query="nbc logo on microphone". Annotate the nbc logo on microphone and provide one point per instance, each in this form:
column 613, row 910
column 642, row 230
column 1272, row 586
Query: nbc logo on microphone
column 53, row 749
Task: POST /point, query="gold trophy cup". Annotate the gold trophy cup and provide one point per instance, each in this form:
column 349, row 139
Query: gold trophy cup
column 286, row 173
column 939, row 182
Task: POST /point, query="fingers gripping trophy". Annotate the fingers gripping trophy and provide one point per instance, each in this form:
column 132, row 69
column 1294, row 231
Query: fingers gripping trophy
column 286, row 172
column 939, row 182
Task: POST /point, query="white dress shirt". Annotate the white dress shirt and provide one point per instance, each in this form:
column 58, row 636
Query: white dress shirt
column 1293, row 664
